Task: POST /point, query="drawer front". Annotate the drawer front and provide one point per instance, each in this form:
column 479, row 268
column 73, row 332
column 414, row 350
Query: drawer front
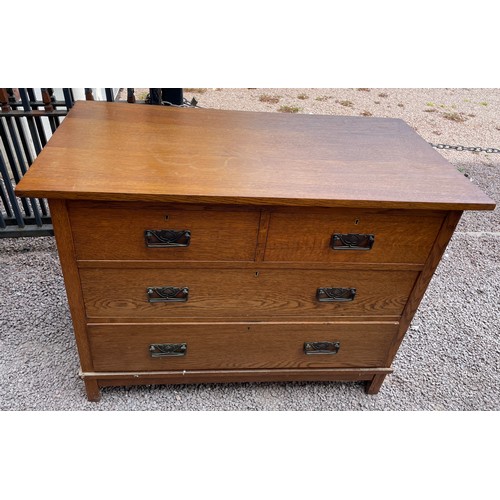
column 241, row 345
column 196, row 293
column 351, row 236
column 117, row 231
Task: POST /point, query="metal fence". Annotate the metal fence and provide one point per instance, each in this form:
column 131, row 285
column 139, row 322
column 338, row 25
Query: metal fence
column 28, row 117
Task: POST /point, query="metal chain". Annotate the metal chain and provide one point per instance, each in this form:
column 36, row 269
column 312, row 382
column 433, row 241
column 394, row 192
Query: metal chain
column 465, row 148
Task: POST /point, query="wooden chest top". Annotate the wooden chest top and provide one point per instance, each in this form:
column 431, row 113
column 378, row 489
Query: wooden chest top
column 115, row 151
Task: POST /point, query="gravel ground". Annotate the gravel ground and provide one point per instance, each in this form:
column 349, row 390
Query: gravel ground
column 449, row 360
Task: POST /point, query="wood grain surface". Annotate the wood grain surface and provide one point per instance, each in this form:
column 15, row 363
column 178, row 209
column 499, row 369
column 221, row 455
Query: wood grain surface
column 243, row 293
column 126, row 347
column 116, row 231
column 305, row 235
column 66, row 251
column 115, row 151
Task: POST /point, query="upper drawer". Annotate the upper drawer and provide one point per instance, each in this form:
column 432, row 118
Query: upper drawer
column 134, row 231
column 352, row 236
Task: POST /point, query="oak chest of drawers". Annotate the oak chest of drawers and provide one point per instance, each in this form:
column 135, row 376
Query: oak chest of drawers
column 217, row 246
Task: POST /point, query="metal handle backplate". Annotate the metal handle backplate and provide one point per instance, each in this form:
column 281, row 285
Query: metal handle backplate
column 352, row 241
column 335, row 294
column 167, row 294
column 321, row 347
column 167, row 238
column 167, row 350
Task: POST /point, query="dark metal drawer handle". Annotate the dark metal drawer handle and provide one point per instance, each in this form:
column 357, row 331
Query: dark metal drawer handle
column 168, row 294
column 321, row 347
column 352, row 241
column 167, row 238
column 335, row 294
column 164, row 350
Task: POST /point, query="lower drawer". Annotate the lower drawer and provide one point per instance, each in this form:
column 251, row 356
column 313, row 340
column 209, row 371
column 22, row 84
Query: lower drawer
column 139, row 347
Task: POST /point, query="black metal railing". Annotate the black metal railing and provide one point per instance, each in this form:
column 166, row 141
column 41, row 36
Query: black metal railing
column 28, row 118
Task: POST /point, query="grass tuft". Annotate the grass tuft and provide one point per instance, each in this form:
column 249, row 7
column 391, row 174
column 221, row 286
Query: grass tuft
column 270, row 99
column 347, row 104
column 454, row 117
column 288, row 109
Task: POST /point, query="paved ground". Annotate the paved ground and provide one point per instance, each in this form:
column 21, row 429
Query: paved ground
column 449, row 360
